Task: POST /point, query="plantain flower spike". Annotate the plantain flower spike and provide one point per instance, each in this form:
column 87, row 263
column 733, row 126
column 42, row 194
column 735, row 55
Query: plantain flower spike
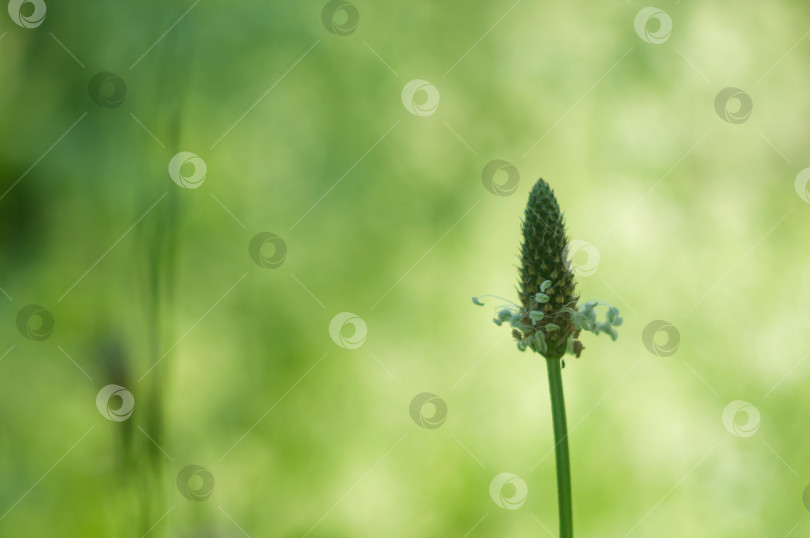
column 550, row 317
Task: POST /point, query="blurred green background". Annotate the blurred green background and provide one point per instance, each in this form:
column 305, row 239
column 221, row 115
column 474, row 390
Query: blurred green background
column 384, row 213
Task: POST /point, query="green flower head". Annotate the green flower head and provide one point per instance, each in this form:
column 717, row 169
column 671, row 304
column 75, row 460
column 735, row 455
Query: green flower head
column 549, row 319
column 546, row 286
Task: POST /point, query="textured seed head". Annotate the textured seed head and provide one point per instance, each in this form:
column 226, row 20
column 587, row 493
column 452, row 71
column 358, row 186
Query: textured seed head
column 542, row 259
column 550, row 318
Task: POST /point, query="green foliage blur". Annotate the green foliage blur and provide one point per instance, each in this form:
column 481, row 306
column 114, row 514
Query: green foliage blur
column 384, row 213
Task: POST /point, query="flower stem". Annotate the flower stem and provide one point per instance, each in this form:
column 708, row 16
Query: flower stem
column 560, row 447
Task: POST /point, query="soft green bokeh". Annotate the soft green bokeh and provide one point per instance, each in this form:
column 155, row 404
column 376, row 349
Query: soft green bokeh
column 696, row 220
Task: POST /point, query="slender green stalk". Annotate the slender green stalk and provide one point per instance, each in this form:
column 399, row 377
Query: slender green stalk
column 560, row 447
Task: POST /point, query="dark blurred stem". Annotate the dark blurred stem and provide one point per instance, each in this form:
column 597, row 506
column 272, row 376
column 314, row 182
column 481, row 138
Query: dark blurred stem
column 561, row 447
